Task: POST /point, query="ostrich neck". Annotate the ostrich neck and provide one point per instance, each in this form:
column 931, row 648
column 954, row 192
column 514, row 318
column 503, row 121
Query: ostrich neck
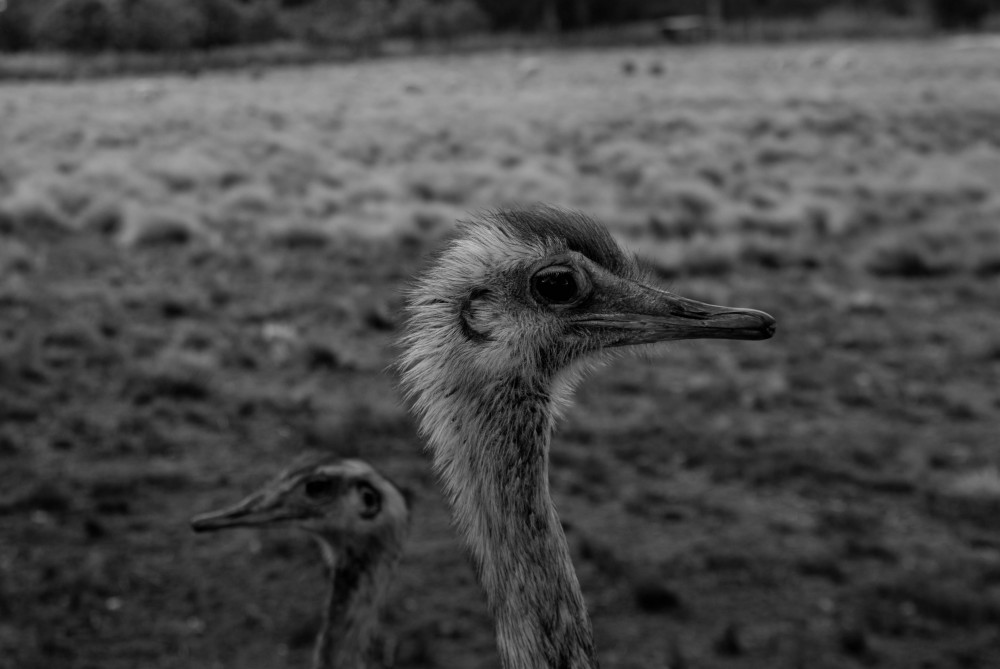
column 493, row 460
column 356, row 590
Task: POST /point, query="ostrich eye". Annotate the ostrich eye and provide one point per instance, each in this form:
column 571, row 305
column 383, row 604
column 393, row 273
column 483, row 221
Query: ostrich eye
column 319, row 488
column 557, row 285
column 371, row 500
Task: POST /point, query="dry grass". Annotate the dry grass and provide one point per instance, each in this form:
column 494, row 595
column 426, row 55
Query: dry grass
column 200, row 279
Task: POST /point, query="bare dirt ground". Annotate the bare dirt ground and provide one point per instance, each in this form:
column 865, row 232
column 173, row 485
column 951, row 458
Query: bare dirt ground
column 200, row 280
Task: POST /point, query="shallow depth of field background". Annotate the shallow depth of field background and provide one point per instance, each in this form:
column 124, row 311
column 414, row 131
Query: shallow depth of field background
column 200, row 279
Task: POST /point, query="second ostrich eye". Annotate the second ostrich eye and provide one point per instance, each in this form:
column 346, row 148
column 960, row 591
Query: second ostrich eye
column 556, row 285
column 371, row 500
column 319, row 488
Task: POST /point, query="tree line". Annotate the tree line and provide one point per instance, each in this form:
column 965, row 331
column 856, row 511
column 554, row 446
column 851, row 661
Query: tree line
column 173, row 25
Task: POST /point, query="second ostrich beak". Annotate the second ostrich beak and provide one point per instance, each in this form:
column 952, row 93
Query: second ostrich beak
column 255, row 510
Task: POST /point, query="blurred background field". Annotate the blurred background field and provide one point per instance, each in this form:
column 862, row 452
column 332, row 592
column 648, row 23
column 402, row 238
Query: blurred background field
column 67, row 39
column 200, row 279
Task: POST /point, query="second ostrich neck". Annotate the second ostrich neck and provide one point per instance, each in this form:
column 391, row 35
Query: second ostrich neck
column 357, row 584
column 495, row 471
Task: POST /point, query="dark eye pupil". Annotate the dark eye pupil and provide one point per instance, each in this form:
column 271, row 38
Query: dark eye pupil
column 557, row 287
column 319, row 488
column 371, row 501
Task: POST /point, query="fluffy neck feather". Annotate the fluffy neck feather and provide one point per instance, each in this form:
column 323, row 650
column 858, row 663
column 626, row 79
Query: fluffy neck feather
column 358, row 581
column 490, row 442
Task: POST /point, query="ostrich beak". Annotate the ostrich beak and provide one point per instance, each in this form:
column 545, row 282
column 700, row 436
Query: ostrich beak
column 254, row 510
column 626, row 312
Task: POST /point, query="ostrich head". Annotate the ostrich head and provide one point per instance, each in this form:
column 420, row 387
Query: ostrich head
column 498, row 326
column 346, row 504
column 530, row 293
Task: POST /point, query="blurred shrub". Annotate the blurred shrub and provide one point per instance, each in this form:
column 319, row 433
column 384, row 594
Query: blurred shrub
column 356, row 24
column 16, row 25
column 299, row 236
column 652, row 595
column 262, row 22
column 156, row 25
column 174, row 25
column 103, row 215
column 31, row 211
column 938, row 248
column 961, row 14
column 222, row 23
column 140, row 25
column 427, row 19
column 157, row 228
column 78, row 25
column 172, row 375
column 910, row 258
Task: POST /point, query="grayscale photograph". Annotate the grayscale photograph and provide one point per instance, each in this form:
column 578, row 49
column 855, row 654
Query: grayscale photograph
column 494, row 334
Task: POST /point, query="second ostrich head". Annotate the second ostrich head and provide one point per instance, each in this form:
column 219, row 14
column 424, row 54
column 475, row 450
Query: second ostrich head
column 360, row 520
column 347, row 505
